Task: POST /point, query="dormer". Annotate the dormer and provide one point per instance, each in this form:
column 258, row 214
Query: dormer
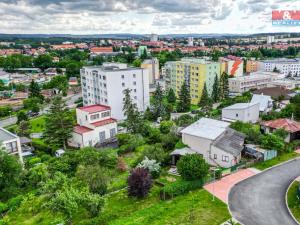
column 88, row 115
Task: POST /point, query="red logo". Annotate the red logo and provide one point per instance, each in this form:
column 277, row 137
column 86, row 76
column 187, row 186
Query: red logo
column 286, row 15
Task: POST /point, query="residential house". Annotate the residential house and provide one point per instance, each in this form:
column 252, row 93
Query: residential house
column 245, row 112
column 265, row 102
column 215, row 141
column 290, row 126
column 95, row 126
column 10, row 143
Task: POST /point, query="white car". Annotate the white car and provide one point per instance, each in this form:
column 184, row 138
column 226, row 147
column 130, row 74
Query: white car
column 59, row 152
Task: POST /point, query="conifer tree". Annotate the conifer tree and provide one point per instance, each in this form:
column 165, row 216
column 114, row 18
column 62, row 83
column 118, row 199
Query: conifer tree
column 34, row 90
column 223, row 87
column 205, row 101
column 184, row 103
column 171, row 97
column 158, row 105
column 59, row 123
column 215, row 93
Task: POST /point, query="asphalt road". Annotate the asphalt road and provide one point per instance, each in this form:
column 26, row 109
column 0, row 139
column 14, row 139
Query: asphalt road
column 260, row 200
column 70, row 100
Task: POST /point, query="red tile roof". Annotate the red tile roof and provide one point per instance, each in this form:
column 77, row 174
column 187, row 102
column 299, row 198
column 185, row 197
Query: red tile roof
column 101, row 49
column 94, row 108
column 104, row 122
column 81, row 129
column 286, row 124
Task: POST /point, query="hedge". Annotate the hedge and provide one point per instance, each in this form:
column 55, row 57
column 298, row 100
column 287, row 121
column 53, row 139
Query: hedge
column 179, row 187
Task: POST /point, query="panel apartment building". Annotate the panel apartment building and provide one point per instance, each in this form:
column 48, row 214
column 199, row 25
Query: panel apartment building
column 105, row 85
column 283, row 65
column 195, row 72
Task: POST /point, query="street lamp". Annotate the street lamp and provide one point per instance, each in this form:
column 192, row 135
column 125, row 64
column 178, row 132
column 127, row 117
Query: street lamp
column 213, row 184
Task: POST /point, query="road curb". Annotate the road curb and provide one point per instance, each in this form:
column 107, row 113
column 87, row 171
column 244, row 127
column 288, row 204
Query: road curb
column 263, row 171
column 286, row 201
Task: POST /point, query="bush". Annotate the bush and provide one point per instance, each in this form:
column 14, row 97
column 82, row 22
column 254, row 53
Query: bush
column 165, row 126
column 122, row 167
column 155, row 152
column 45, row 157
column 152, row 166
column 192, row 167
column 31, row 162
column 180, row 187
column 169, row 141
column 139, row 183
column 129, row 143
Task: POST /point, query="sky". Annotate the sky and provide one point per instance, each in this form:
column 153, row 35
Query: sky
column 141, row 16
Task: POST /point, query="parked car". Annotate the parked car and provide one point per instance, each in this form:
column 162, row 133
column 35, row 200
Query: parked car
column 32, row 114
column 59, row 152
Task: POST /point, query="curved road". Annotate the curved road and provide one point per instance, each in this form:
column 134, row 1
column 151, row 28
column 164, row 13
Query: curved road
column 260, row 200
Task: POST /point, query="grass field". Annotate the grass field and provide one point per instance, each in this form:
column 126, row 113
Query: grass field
column 293, row 201
column 279, row 159
column 37, row 124
column 195, row 207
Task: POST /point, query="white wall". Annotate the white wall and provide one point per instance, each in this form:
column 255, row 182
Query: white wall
column 250, row 114
column 220, row 160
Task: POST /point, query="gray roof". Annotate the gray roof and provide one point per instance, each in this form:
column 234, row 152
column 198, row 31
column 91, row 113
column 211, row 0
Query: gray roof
column 182, row 151
column 263, row 101
column 6, row 135
column 231, row 142
column 206, row 128
column 241, row 105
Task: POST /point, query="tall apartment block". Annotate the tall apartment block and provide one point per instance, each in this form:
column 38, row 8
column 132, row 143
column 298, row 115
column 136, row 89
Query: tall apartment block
column 153, row 66
column 195, row 72
column 105, row 85
column 283, row 65
column 234, row 66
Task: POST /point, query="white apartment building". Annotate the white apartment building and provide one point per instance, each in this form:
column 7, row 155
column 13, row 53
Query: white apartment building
column 94, row 126
column 245, row 112
column 106, row 84
column 255, row 80
column 153, row 66
column 283, row 65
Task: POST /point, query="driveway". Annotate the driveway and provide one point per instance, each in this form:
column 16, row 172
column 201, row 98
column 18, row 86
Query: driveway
column 221, row 188
column 260, row 200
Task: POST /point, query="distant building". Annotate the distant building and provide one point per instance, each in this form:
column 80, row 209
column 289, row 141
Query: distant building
column 245, row 112
column 73, row 81
column 190, row 41
column 256, row 80
column 153, row 66
column 284, row 65
column 215, row 141
column 141, row 50
column 95, row 126
column 275, row 92
column 270, row 39
column 101, row 50
column 251, row 66
column 105, row 85
column 154, row 38
column 234, row 66
column 10, row 143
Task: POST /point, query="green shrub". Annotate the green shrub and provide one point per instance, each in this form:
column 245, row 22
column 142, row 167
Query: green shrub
column 31, row 162
column 3, row 207
column 45, row 157
column 165, row 126
column 192, row 167
column 180, row 187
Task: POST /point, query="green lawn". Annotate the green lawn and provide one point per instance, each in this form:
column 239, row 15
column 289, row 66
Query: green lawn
column 293, row 202
column 195, row 207
column 37, row 124
column 279, row 159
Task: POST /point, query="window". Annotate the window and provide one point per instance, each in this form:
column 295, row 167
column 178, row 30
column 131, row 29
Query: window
column 104, row 78
column 86, row 118
column 215, row 156
column 123, row 84
column 134, row 83
column 122, row 76
column 237, row 115
column 225, row 158
column 134, row 75
column 112, row 132
column 11, row 147
column 134, row 90
column 94, row 117
column 105, row 114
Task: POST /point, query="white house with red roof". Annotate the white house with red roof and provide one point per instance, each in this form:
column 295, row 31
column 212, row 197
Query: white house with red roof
column 94, row 126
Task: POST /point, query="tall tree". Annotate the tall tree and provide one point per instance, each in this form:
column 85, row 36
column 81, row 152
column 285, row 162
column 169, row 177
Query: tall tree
column 184, row 103
column 158, row 105
column 43, row 62
column 171, row 97
column 224, row 86
column 134, row 120
column 205, row 101
column 59, row 123
column 34, row 90
column 215, row 93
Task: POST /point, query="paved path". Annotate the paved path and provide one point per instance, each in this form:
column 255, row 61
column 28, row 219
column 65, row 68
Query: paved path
column 260, row 200
column 221, row 188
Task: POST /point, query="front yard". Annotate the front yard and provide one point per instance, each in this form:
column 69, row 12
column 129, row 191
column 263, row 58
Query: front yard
column 279, row 159
column 293, row 201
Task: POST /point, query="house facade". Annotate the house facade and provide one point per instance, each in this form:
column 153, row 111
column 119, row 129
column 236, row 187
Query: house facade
column 215, row 141
column 245, row 112
column 10, row 143
column 94, row 126
column 265, row 102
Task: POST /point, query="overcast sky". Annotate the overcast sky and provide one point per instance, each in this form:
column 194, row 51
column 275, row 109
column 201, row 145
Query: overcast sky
column 141, row 16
